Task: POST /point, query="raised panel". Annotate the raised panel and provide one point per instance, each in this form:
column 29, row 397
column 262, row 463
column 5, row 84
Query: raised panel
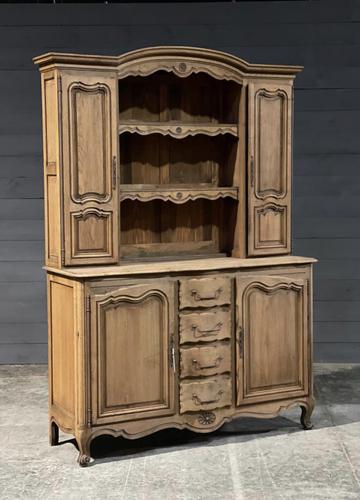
column 270, row 143
column 269, row 168
column 131, row 330
column 205, row 360
column 50, row 111
column 90, row 146
column 272, row 338
column 205, row 326
column 52, row 217
column 270, row 226
column 91, row 233
column 205, row 292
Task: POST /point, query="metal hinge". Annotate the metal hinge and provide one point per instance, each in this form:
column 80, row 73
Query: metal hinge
column 114, row 172
column 62, row 256
column 87, row 306
column 172, row 353
column 252, row 171
column 59, row 84
column 89, row 417
column 241, row 341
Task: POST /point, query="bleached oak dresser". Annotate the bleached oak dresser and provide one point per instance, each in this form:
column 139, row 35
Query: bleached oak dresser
column 173, row 297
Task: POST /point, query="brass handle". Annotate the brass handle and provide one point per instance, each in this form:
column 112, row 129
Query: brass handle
column 200, row 402
column 197, row 365
column 196, row 295
column 114, row 172
column 206, row 333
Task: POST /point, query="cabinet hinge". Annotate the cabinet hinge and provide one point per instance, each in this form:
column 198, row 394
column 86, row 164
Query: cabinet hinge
column 87, row 306
column 172, row 353
column 89, row 417
column 59, row 84
column 114, row 172
column 62, row 256
column 241, row 341
column 252, row 172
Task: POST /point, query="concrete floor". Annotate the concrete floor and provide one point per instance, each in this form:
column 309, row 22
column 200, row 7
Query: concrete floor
column 247, row 459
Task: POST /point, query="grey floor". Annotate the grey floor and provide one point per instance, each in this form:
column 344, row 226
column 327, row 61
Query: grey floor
column 247, row 459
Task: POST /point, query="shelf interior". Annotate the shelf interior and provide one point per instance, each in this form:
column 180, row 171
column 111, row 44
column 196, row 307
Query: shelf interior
column 160, row 228
column 165, row 97
column 159, row 160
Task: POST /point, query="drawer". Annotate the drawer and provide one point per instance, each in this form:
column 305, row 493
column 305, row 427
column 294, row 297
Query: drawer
column 205, row 292
column 205, row 394
column 205, row 360
column 205, row 326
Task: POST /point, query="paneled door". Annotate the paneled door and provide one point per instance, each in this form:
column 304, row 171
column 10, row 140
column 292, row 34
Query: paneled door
column 269, row 168
column 132, row 357
column 272, row 338
column 90, row 158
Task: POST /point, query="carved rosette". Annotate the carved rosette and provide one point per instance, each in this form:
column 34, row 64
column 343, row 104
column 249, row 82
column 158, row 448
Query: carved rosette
column 206, row 418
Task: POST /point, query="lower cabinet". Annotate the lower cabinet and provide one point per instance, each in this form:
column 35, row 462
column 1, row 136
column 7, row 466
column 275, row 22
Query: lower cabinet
column 182, row 351
column 272, row 338
column 132, row 334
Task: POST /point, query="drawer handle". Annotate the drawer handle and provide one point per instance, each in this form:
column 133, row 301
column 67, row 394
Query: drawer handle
column 206, row 333
column 199, row 297
column 198, row 366
column 200, row 402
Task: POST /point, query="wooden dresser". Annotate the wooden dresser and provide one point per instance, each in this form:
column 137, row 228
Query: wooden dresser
column 173, row 297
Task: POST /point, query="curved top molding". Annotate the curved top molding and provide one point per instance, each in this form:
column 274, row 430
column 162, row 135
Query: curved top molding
column 148, row 54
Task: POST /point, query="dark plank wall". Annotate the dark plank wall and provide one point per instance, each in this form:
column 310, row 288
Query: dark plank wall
column 322, row 35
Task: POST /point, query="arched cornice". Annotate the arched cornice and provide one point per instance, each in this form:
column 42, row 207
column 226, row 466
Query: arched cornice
column 145, row 56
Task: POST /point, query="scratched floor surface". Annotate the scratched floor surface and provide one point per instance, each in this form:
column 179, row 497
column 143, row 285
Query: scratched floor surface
column 247, row 459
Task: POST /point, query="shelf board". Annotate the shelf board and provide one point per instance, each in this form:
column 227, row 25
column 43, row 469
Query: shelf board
column 178, row 130
column 177, row 194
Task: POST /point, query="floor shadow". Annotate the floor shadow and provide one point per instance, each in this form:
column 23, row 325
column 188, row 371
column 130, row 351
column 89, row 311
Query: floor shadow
column 336, row 387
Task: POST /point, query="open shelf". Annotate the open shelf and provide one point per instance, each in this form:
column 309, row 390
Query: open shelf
column 165, row 97
column 176, row 194
column 157, row 228
column 163, row 160
column 178, row 130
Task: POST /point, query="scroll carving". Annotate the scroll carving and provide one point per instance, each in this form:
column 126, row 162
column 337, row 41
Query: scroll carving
column 179, row 197
column 91, row 231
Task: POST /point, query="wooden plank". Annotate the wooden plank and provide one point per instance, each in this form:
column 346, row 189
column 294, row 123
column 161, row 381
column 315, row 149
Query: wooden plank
column 336, row 331
column 337, row 352
column 22, row 272
column 337, row 311
column 18, row 251
column 23, row 333
column 17, row 354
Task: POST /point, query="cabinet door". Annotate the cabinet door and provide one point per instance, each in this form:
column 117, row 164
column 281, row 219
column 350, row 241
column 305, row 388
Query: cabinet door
column 89, row 158
column 131, row 359
column 272, row 338
column 269, row 169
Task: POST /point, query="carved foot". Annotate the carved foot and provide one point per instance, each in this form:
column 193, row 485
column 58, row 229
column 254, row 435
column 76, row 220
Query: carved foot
column 83, row 460
column 83, row 440
column 305, row 418
column 53, row 434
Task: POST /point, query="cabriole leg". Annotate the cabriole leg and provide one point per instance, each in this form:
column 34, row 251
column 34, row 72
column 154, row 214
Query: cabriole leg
column 305, row 419
column 83, row 440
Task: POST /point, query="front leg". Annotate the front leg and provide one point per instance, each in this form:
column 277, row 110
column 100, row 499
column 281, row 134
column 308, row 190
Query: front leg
column 306, row 411
column 83, row 439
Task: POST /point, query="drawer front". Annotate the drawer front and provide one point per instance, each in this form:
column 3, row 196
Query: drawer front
column 205, row 326
column 205, row 395
column 205, row 292
column 205, row 360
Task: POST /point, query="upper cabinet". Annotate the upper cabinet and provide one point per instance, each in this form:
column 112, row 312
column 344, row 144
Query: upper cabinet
column 90, row 158
column 167, row 151
column 269, row 168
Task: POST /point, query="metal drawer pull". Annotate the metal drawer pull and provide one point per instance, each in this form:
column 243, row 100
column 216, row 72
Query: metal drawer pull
column 199, row 402
column 206, row 333
column 214, row 365
column 199, row 297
